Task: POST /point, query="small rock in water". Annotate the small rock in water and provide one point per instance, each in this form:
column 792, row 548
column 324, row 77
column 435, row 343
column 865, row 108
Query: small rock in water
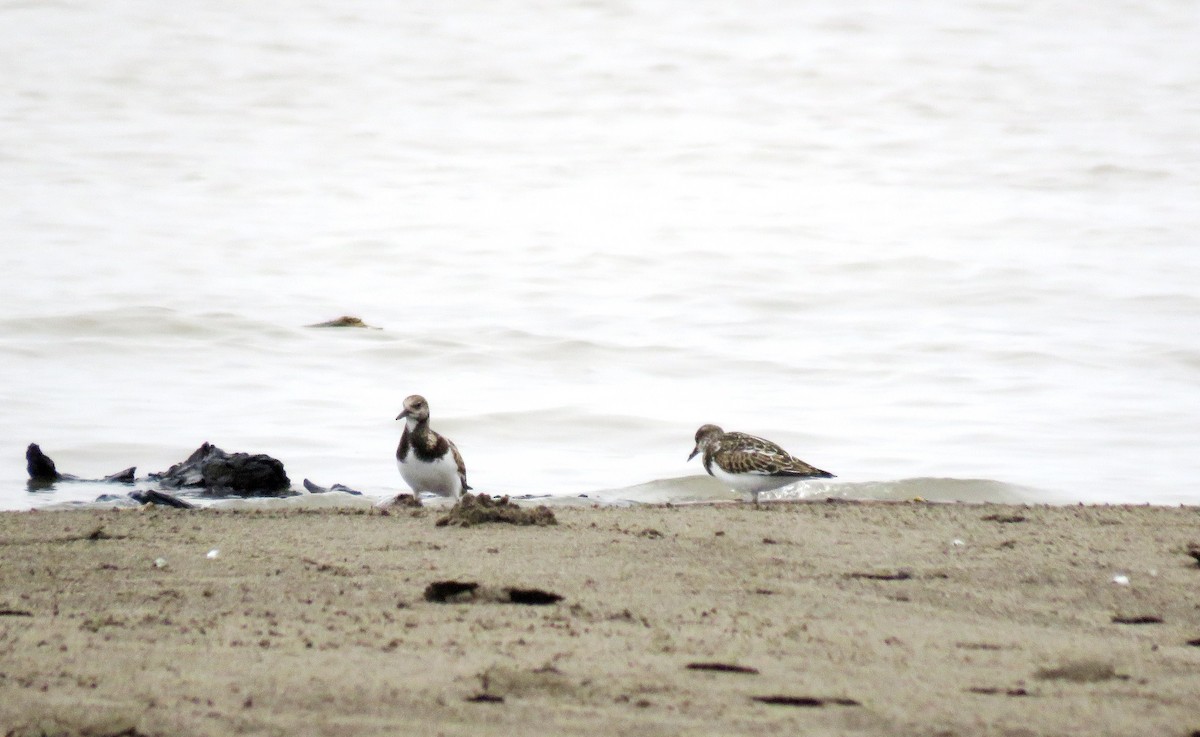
column 242, row 473
column 39, row 465
column 317, row 489
column 161, row 498
column 345, row 321
column 221, row 473
column 122, row 477
column 118, row 500
column 189, row 471
column 43, row 473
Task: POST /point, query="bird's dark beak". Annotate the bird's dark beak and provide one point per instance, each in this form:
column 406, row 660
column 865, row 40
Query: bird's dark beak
column 694, row 452
column 402, row 415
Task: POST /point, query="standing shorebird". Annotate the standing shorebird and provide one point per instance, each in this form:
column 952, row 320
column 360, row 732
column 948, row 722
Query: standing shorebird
column 428, row 461
column 746, row 463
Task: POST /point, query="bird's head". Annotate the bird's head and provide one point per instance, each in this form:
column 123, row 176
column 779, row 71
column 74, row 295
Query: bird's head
column 705, row 436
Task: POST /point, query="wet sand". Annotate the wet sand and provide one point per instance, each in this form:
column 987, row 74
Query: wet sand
column 811, row 618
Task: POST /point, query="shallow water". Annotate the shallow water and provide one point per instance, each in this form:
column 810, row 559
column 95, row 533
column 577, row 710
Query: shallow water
column 953, row 243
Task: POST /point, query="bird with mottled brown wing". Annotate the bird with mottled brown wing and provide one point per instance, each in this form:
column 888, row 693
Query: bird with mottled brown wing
column 428, row 461
column 749, row 463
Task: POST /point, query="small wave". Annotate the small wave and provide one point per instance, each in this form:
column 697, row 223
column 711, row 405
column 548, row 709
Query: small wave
column 140, row 322
column 705, row 488
column 661, row 491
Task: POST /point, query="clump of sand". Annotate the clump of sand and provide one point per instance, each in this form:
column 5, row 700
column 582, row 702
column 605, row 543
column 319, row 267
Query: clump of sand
column 478, row 509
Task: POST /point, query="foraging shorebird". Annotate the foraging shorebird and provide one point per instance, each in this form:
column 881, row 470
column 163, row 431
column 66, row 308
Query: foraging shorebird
column 428, row 461
column 749, row 464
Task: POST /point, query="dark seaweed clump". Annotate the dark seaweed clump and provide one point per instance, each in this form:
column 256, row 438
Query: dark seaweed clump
column 478, row 509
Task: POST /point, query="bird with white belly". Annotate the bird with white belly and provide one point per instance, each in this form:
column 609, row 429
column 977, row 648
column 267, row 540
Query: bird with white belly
column 428, row 461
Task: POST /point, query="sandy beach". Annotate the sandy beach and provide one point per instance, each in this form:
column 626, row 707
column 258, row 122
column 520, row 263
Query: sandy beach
column 793, row 618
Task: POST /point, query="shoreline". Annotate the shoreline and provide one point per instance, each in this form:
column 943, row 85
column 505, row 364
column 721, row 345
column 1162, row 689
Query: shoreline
column 872, row 617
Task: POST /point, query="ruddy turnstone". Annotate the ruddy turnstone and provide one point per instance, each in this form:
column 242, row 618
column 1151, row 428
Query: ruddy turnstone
column 746, row 463
column 428, row 461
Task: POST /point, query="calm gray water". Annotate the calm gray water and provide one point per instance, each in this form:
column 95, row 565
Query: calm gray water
column 945, row 249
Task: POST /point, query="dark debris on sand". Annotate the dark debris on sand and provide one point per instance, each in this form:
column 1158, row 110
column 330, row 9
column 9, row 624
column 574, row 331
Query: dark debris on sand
column 805, row 701
column 1194, row 551
column 478, row 509
column 723, row 668
column 1081, row 671
column 466, row 592
column 402, row 501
